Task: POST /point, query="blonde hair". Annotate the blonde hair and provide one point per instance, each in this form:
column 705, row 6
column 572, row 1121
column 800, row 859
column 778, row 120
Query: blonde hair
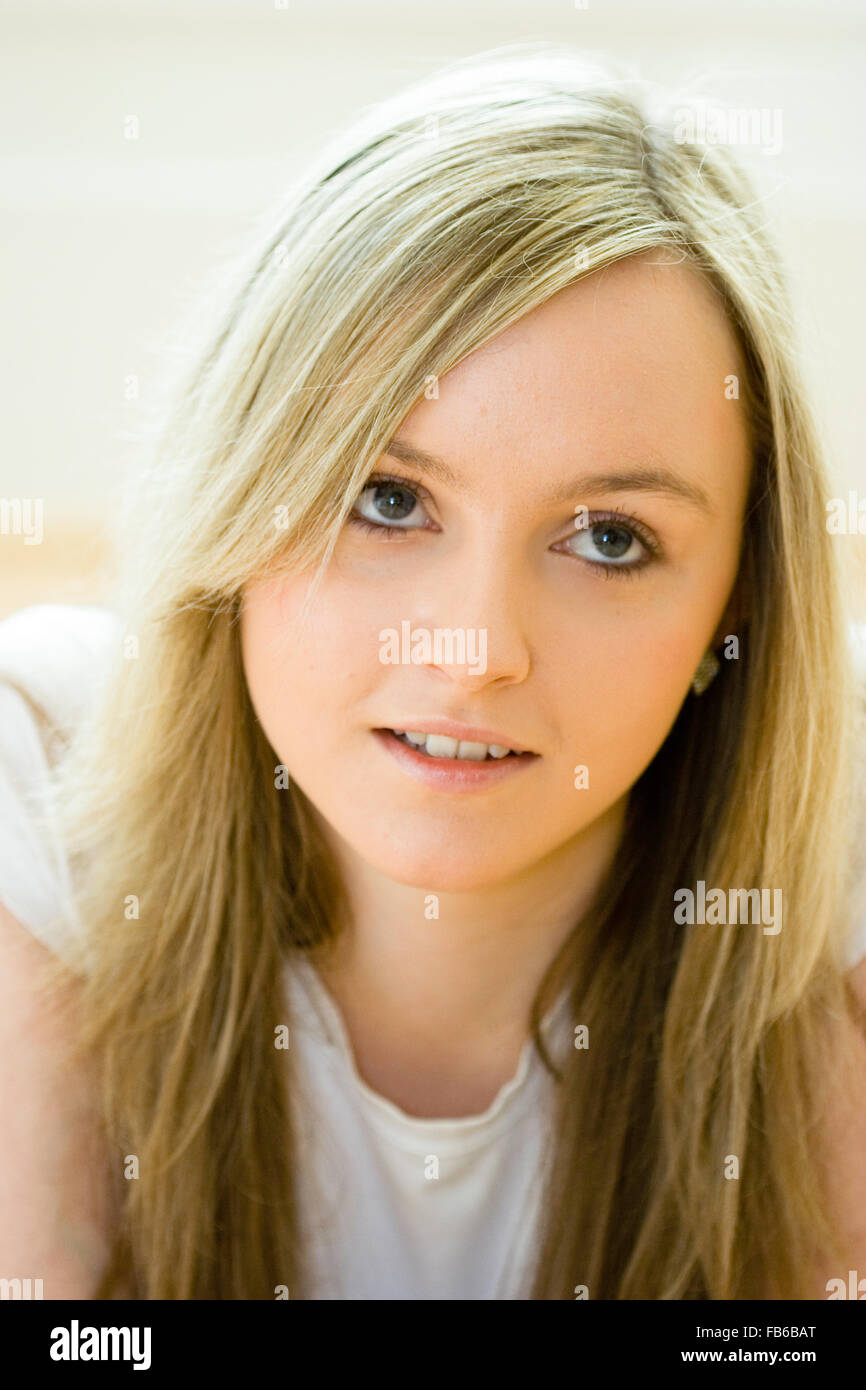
column 440, row 218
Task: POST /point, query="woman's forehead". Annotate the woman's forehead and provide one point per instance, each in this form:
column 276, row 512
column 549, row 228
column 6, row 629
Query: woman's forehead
column 632, row 363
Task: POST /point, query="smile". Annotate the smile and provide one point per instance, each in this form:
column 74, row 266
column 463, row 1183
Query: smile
column 452, row 764
column 441, row 746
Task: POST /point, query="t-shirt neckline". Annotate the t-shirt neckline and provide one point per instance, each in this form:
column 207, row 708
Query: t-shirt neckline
column 416, row 1131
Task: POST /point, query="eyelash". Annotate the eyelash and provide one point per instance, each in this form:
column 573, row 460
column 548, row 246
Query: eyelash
column 387, row 533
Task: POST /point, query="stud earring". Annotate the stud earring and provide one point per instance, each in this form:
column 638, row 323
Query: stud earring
column 706, row 672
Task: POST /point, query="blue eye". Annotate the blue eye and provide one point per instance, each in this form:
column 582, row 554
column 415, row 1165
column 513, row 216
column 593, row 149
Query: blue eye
column 388, row 501
column 610, row 544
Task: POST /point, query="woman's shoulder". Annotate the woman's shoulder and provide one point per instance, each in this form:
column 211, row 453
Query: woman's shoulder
column 53, row 653
column 51, row 659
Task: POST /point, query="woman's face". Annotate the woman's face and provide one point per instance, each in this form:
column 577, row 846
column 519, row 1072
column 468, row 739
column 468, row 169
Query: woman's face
column 581, row 531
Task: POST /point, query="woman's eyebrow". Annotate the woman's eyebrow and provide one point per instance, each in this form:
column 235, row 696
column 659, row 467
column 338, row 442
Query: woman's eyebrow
column 643, row 478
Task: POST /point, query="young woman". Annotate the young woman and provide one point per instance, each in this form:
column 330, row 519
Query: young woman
column 455, row 879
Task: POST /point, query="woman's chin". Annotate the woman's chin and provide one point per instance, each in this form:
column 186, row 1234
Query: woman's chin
column 436, row 872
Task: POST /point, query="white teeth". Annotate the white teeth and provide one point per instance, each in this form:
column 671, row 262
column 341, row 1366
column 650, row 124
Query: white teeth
column 440, row 746
column 475, row 752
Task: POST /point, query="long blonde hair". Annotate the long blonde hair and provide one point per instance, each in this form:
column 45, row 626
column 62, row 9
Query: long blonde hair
column 439, row 219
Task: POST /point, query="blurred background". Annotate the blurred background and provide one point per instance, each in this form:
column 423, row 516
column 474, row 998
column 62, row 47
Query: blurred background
column 141, row 138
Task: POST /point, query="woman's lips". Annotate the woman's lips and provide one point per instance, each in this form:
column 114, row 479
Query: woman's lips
column 452, row 774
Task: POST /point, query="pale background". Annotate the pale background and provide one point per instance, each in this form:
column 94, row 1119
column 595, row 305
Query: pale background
column 104, row 239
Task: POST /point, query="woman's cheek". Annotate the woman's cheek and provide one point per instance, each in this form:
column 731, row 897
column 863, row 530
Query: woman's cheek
column 624, row 699
column 307, row 672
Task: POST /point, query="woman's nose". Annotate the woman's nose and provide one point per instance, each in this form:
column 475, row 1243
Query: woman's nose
column 477, row 620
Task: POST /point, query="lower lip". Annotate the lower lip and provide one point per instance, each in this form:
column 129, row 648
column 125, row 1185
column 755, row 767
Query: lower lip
column 453, row 774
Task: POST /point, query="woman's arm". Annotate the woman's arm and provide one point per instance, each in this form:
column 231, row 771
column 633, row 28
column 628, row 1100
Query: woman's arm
column 55, row 1210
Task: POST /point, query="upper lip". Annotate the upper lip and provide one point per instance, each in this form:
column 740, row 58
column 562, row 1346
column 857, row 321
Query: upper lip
column 466, row 733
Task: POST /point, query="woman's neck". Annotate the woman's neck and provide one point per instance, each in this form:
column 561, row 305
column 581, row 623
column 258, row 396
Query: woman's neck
column 437, row 1007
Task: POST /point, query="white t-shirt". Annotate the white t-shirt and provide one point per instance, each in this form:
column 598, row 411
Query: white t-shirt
column 391, row 1206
